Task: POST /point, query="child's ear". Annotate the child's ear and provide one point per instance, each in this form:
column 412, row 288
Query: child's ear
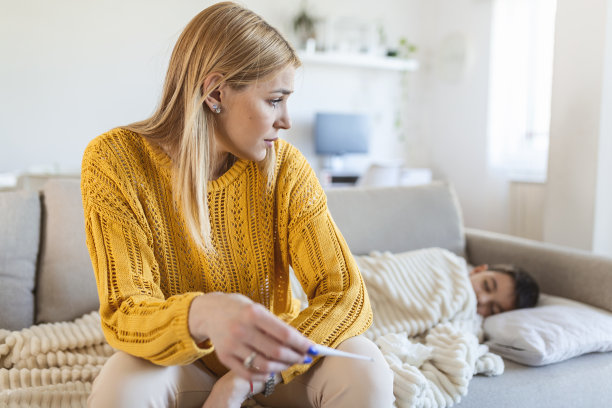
column 480, row 268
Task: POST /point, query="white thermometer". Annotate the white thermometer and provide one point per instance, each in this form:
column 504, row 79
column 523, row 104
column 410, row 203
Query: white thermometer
column 328, row 351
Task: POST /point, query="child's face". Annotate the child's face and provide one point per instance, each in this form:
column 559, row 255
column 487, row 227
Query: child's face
column 494, row 291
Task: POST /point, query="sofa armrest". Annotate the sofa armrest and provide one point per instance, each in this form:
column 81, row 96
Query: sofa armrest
column 560, row 271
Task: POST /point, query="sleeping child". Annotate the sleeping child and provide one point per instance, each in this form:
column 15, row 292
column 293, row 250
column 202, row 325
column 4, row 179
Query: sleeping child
column 500, row 288
column 428, row 307
column 414, row 291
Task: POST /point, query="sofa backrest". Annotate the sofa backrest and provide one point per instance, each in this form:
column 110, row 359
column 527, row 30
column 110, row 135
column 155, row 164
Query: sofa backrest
column 19, row 242
column 66, row 285
column 45, row 270
column 398, row 219
column 392, row 219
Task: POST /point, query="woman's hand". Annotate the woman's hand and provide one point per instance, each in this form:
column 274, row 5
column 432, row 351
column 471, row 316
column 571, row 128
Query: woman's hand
column 230, row 391
column 248, row 339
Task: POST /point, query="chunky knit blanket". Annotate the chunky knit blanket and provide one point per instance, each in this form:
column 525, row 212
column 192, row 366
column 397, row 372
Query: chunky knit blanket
column 51, row 365
column 426, row 325
column 54, row 365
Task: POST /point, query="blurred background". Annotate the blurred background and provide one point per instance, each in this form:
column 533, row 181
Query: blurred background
column 507, row 100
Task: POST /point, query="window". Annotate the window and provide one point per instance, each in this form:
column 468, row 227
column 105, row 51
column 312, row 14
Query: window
column 522, row 45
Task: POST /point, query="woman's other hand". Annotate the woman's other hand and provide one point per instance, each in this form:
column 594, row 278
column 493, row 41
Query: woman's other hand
column 248, row 338
column 230, row 391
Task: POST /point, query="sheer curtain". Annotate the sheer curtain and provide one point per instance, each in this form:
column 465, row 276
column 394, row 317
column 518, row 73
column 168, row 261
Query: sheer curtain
column 521, row 75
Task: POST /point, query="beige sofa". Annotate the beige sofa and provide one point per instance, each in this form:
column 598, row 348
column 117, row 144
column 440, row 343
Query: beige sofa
column 46, row 275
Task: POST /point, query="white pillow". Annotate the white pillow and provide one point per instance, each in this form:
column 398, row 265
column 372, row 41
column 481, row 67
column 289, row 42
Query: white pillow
column 556, row 330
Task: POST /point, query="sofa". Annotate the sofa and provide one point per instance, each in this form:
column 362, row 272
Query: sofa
column 46, row 280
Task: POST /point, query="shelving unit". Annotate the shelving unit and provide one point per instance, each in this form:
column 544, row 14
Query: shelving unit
column 360, row 60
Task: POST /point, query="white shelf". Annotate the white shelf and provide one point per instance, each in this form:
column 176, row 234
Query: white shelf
column 360, row 61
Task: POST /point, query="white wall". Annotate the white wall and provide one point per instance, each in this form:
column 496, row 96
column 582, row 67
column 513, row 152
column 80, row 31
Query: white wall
column 81, row 68
column 602, row 237
column 73, row 69
column 576, row 123
column 456, row 105
column 578, row 195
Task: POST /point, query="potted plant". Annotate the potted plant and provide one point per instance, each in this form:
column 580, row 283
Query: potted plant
column 304, row 25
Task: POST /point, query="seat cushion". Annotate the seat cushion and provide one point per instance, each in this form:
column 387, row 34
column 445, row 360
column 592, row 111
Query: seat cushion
column 579, row 382
column 19, row 242
column 66, row 287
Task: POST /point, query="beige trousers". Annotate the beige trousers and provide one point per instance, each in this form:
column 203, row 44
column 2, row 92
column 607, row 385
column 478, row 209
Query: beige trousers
column 333, row 382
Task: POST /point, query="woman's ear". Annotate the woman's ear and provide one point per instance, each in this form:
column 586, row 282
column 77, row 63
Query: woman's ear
column 211, row 84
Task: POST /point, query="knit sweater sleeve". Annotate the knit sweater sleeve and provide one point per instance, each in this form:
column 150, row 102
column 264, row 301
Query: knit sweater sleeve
column 136, row 317
column 338, row 303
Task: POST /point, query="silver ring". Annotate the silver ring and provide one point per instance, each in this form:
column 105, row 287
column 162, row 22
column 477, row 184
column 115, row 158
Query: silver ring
column 248, row 362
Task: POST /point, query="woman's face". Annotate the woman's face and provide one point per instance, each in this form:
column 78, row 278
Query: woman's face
column 251, row 117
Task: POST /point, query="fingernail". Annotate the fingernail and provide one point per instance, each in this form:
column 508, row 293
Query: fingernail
column 313, row 351
column 307, row 360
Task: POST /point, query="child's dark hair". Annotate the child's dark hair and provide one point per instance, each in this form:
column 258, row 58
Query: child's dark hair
column 526, row 288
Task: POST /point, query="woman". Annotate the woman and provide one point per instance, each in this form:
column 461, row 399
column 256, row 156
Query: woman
column 193, row 218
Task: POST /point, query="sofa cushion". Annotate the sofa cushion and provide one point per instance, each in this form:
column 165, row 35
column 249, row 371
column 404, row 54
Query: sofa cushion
column 398, row 219
column 580, row 382
column 66, row 287
column 19, row 242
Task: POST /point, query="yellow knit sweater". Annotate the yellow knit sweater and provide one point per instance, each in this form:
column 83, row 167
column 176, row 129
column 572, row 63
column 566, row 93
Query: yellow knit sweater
column 148, row 269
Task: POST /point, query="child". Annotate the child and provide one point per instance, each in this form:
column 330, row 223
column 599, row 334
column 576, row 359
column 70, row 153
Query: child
column 500, row 288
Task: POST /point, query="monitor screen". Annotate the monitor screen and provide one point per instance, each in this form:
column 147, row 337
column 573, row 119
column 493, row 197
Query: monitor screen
column 341, row 133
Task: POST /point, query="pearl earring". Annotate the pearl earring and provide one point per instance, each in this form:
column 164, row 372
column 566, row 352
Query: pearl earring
column 216, row 108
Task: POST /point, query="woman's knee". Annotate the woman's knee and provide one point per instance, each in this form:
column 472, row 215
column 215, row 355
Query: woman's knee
column 121, row 379
column 362, row 383
column 128, row 381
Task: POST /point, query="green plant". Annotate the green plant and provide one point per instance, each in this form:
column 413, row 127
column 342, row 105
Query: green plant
column 304, row 24
column 406, row 49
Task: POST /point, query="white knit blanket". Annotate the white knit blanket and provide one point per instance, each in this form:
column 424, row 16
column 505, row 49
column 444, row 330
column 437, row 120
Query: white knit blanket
column 51, row 365
column 426, row 325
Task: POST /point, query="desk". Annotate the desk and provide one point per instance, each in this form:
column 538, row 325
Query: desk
column 338, row 179
column 377, row 176
column 350, row 179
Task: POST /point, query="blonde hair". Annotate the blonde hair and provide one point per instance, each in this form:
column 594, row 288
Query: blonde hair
column 226, row 39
